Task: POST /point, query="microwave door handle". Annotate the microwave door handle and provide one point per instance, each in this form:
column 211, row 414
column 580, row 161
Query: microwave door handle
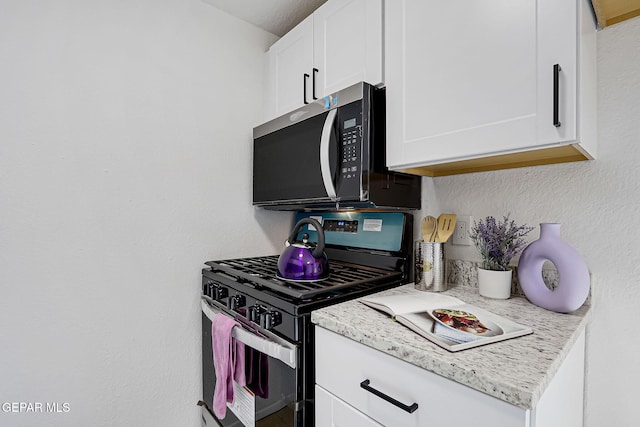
column 325, row 146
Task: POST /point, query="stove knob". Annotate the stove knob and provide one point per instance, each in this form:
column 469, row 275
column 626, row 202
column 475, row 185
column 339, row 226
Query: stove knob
column 254, row 312
column 270, row 319
column 218, row 292
column 206, row 288
column 236, row 301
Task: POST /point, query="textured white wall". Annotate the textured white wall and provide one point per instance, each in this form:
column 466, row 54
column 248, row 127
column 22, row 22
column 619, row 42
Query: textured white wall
column 125, row 148
column 597, row 203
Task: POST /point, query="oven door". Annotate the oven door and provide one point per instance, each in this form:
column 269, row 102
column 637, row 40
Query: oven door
column 271, row 396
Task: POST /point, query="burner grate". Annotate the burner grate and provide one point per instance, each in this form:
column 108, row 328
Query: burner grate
column 262, row 271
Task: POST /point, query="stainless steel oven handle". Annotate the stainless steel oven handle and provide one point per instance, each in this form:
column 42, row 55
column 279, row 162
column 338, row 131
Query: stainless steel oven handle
column 325, row 146
column 271, row 345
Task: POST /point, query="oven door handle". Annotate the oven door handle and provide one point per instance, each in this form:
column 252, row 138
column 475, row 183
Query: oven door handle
column 271, row 345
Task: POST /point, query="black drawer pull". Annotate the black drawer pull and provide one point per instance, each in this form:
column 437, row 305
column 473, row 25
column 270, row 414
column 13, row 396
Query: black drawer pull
column 410, row 409
column 556, row 95
column 313, row 94
column 304, row 88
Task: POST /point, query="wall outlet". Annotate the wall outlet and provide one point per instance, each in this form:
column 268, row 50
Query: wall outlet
column 461, row 233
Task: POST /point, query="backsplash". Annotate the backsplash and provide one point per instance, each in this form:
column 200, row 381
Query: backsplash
column 465, row 273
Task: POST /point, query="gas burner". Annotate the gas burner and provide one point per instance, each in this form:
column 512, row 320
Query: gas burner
column 284, row 279
column 263, row 272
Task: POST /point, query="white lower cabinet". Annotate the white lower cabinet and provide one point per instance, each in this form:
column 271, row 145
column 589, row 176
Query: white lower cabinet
column 335, row 412
column 359, row 386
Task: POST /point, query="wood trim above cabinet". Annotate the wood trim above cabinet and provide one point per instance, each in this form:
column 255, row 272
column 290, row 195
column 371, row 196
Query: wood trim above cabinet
column 545, row 156
column 609, row 12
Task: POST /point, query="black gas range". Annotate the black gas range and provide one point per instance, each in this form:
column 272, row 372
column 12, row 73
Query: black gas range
column 368, row 252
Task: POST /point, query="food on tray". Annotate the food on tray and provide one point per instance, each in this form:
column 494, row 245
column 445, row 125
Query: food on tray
column 460, row 320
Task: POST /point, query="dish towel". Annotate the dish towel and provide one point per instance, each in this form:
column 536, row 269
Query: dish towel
column 257, row 372
column 228, row 362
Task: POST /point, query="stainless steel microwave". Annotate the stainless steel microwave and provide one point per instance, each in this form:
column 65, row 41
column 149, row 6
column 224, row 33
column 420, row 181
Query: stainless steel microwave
column 330, row 154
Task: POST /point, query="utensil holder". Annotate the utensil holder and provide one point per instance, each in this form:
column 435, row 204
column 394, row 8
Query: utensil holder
column 430, row 266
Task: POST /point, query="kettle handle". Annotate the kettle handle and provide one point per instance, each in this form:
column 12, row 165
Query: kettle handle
column 319, row 249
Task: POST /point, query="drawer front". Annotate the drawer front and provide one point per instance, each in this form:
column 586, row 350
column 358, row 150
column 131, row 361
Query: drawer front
column 342, row 365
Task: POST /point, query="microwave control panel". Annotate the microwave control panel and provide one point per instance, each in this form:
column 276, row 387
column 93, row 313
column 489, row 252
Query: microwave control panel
column 350, row 150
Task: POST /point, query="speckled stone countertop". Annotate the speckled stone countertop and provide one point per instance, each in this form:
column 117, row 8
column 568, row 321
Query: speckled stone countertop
column 517, row 370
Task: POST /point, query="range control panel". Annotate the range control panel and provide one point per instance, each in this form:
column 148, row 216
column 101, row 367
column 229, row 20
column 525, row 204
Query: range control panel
column 358, row 229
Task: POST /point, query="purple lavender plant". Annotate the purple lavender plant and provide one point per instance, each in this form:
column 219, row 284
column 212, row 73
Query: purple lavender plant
column 498, row 242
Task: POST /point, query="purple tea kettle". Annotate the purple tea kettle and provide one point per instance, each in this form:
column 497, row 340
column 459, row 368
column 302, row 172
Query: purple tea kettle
column 304, row 260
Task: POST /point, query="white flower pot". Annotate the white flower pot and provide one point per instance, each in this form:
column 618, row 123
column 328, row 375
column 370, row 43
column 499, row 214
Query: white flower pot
column 494, row 284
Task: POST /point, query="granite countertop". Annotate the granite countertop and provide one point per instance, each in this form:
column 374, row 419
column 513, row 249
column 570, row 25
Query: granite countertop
column 517, row 370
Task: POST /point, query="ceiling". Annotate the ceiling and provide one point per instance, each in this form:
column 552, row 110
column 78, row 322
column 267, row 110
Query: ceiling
column 274, row 16
column 279, row 16
column 609, row 12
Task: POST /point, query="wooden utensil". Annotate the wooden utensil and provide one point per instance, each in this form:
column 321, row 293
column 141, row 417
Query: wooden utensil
column 446, row 227
column 432, row 238
column 428, row 228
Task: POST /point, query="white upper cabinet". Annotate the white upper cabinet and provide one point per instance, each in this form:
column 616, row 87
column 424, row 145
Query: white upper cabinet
column 290, row 62
column 488, row 85
column 348, row 42
column 339, row 45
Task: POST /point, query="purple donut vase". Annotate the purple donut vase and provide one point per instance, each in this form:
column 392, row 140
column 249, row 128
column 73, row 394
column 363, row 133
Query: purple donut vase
column 573, row 274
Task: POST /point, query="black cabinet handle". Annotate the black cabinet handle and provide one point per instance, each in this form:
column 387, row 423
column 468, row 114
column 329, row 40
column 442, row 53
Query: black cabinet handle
column 304, row 88
column 315, row 71
column 410, row 409
column 556, row 95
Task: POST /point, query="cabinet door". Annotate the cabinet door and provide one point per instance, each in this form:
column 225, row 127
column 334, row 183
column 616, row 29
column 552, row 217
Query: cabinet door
column 347, row 44
column 290, row 68
column 331, row 411
column 462, row 77
column 557, row 46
